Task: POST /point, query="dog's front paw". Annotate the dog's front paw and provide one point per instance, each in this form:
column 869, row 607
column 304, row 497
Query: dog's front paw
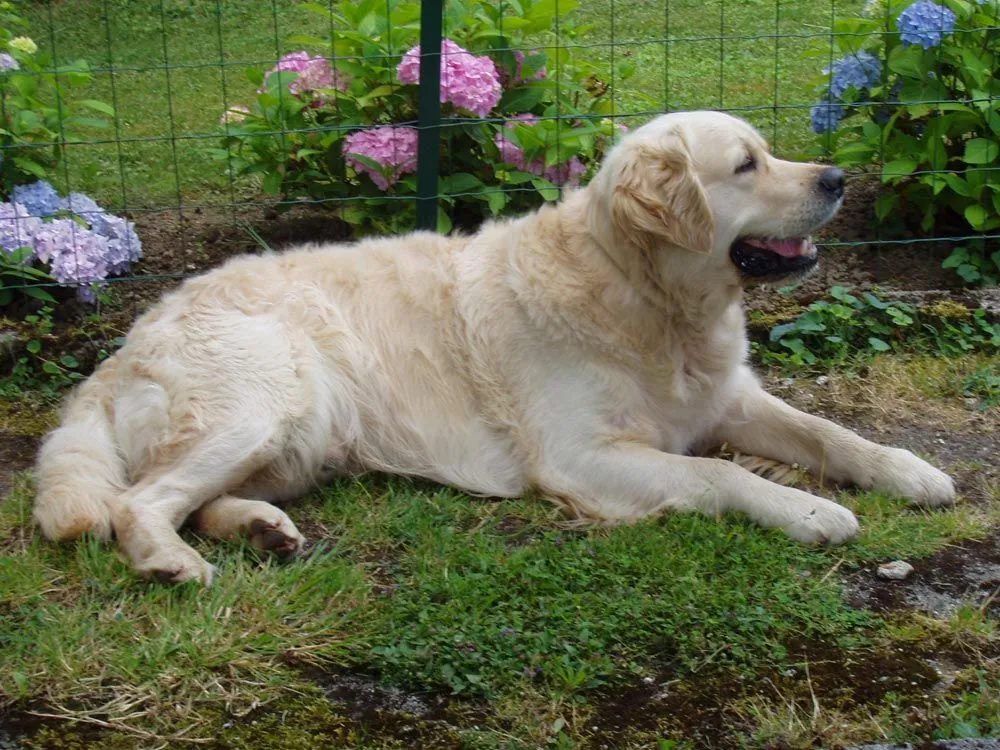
column 818, row 521
column 908, row 476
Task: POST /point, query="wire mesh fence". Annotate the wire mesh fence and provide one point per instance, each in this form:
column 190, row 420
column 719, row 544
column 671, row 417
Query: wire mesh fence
column 202, row 120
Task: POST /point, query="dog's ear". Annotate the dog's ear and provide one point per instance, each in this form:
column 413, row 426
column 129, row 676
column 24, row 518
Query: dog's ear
column 658, row 200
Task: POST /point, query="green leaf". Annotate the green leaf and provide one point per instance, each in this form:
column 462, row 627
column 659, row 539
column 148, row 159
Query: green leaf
column 272, row 183
column 898, row 168
column 461, row 182
column 307, row 40
column 444, row 221
column 885, row 204
column 99, row 106
column 975, row 215
column 779, row 331
column 38, row 293
column 981, row 151
column 496, row 200
column 875, row 302
column 548, row 191
column 907, row 61
column 51, row 368
column 31, row 167
column 69, row 361
column 34, row 346
column 968, row 272
column 521, row 99
column 519, row 178
column 878, row 344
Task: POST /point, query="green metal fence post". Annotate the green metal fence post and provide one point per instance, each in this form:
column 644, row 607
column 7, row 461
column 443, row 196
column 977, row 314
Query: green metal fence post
column 429, row 114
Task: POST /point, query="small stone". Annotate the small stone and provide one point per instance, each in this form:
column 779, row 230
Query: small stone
column 787, row 383
column 648, row 680
column 895, row 571
column 822, row 380
column 971, row 403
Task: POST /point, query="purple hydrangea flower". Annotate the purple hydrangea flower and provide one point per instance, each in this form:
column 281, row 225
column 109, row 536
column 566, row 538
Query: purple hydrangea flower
column 468, row 82
column 7, row 62
column 314, row 73
column 124, row 247
column 393, row 148
column 40, row 198
column 859, row 71
column 925, row 23
column 17, row 226
column 826, row 116
column 76, row 255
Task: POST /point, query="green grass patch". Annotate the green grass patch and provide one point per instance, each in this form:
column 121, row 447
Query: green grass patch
column 430, row 590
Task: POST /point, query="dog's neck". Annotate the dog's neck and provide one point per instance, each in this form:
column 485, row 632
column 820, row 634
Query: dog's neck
column 612, row 299
column 679, row 298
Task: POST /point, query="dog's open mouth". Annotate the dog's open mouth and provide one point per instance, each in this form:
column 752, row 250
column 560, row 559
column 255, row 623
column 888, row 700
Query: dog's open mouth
column 767, row 257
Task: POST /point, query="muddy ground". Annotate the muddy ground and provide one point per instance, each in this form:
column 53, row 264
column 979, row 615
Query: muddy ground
column 186, row 243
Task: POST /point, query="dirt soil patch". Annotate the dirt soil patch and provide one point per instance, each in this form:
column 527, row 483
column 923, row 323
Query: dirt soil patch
column 939, row 585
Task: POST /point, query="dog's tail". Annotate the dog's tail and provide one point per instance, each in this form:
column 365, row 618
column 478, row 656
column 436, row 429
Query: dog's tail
column 80, row 470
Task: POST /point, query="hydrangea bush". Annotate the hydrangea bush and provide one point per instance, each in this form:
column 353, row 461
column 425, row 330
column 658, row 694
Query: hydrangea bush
column 916, row 89
column 339, row 122
column 45, row 238
column 71, row 241
column 38, row 114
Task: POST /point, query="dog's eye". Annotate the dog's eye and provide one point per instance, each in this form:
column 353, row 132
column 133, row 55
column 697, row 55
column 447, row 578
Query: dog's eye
column 747, row 166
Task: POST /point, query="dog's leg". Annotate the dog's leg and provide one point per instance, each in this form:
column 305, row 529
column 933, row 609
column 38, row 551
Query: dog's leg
column 269, row 528
column 622, row 481
column 766, row 426
column 147, row 517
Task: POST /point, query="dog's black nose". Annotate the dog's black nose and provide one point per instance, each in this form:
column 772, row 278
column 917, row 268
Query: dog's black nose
column 831, row 180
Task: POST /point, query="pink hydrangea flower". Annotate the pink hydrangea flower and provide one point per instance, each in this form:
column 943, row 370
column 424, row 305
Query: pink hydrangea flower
column 468, row 82
column 393, row 148
column 314, row 73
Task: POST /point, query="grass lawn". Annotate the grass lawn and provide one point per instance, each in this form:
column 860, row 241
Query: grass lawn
column 179, row 64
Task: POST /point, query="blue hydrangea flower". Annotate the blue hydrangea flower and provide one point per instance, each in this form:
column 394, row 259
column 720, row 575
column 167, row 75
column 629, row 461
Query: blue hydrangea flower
column 860, row 71
column 17, row 226
column 7, row 62
column 826, row 116
column 124, row 247
column 925, row 23
column 40, row 198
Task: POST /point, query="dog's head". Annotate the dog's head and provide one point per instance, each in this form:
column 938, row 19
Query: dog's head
column 698, row 190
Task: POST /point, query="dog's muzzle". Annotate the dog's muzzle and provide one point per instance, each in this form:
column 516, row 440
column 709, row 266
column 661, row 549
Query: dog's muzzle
column 768, row 259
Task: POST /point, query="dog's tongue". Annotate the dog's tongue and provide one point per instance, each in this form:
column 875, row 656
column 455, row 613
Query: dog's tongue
column 787, row 248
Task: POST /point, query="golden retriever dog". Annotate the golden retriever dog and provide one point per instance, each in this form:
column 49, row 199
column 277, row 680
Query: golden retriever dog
column 588, row 351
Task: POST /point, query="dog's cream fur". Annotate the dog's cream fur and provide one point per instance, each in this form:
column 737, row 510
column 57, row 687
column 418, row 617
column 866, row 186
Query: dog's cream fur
column 585, row 350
